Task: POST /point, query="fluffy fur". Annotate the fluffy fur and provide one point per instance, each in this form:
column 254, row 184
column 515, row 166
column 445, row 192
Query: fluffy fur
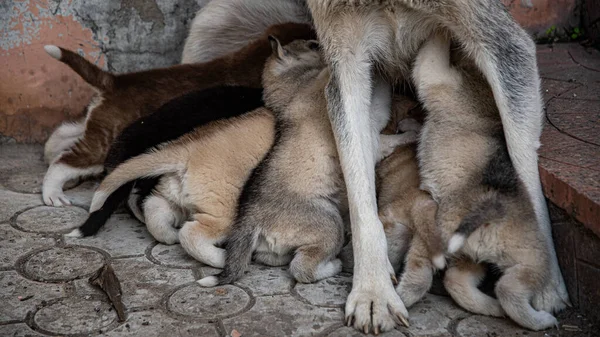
column 466, row 167
column 121, row 99
column 203, row 174
column 291, row 208
column 358, row 35
column 223, row 26
column 172, row 120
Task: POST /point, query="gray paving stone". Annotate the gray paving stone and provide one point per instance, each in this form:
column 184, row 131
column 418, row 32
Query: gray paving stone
column 208, row 303
column 173, row 256
column 121, row 236
column 157, row 324
column 82, row 194
column 46, row 219
column 75, row 316
column 14, row 243
column 62, row 264
column 84, row 289
column 266, row 281
column 18, row 156
column 476, row 326
column 12, row 202
column 351, row 332
column 426, row 320
column 145, row 283
column 13, row 285
column 17, row 330
column 444, row 305
column 283, row 315
column 28, row 180
column 329, row 292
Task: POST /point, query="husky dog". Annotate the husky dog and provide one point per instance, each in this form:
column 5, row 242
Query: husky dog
column 358, row 36
column 224, row 26
column 172, row 120
column 484, row 207
column 121, row 99
column 203, row 173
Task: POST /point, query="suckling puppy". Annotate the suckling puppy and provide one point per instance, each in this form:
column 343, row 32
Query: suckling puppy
column 203, row 173
column 482, row 203
column 121, row 99
column 290, row 210
column 171, row 121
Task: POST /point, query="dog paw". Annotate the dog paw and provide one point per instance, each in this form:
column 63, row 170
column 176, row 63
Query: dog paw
column 375, row 307
column 56, row 198
column 542, row 320
column 409, row 124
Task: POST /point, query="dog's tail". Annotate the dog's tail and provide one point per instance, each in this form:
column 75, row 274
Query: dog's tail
column 96, row 77
column 117, row 185
column 490, row 208
column 240, row 246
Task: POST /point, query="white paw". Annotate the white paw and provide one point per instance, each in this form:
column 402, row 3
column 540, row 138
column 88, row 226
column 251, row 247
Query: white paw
column 56, row 198
column 456, row 242
column 76, row 233
column 409, row 124
column 375, row 307
column 543, row 321
column 439, row 261
column 208, row 282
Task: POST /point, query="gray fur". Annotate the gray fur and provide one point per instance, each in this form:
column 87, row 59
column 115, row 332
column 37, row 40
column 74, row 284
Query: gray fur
column 224, row 26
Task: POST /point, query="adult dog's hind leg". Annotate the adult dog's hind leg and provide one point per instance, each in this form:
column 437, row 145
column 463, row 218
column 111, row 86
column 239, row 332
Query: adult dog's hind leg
column 347, row 41
column 506, row 55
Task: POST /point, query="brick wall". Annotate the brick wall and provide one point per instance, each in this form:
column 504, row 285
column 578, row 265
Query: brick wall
column 578, row 250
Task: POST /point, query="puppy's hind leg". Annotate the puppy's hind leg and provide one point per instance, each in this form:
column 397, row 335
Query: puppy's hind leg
column 199, row 238
column 59, row 173
column 161, row 219
column 461, row 281
column 312, row 263
column 418, row 273
column 515, row 295
column 348, row 42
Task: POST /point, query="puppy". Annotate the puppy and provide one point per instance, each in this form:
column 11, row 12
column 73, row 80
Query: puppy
column 358, row 36
column 122, row 99
column 484, row 208
column 223, row 26
column 202, row 176
column 290, row 210
column 172, row 120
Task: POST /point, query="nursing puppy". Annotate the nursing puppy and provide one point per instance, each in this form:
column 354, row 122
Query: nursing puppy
column 121, row 99
column 358, row 36
column 483, row 205
column 291, row 208
column 202, row 176
column 223, row 26
column 172, row 120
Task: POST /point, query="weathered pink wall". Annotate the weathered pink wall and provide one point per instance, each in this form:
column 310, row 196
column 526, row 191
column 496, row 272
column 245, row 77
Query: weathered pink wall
column 38, row 92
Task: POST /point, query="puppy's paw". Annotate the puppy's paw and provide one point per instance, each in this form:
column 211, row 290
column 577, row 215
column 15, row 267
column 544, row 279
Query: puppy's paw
column 375, row 307
column 56, row 198
column 409, row 124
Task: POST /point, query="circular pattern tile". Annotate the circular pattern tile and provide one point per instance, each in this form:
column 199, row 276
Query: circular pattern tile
column 208, row 303
column 75, row 316
column 62, row 264
column 476, row 326
column 331, row 291
column 47, row 219
column 173, row 256
column 27, row 181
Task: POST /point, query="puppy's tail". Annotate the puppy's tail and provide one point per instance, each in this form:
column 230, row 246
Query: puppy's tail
column 96, row 77
column 239, row 249
column 491, row 208
column 117, row 185
column 423, row 214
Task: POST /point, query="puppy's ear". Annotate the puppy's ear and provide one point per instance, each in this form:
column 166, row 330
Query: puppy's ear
column 276, row 47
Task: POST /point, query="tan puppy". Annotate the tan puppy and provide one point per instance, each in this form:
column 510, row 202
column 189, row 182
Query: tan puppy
column 79, row 149
column 483, row 205
column 203, row 174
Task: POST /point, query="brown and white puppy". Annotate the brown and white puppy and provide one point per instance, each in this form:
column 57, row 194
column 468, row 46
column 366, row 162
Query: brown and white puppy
column 291, row 208
column 81, row 148
column 483, row 206
column 203, row 174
